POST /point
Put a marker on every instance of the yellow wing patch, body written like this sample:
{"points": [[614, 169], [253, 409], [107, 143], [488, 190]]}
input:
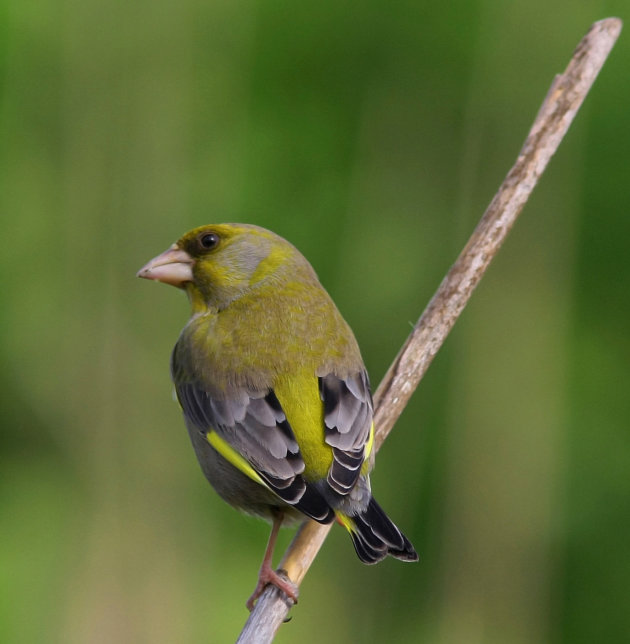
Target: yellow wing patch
{"points": [[233, 457], [369, 445]]}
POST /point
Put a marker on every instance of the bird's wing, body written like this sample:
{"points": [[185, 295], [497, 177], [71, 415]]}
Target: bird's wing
{"points": [[251, 431], [348, 413]]}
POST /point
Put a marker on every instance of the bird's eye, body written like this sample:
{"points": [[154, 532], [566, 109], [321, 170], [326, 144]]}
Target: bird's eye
{"points": [[208, 240]]}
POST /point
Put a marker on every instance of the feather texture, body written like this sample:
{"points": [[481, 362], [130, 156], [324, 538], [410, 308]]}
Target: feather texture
{"points": [[348, 415], [255, 427]]}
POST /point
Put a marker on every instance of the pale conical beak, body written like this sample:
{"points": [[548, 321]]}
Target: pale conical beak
{"points": [[173, 266]]}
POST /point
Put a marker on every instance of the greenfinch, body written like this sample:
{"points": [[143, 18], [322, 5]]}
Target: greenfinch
{"points": [[273, 389]]}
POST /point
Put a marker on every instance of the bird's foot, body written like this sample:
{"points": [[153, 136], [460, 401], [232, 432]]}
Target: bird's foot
{"points": [[278, 579]]}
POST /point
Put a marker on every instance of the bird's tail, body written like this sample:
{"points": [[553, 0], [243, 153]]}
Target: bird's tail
{"points": [[375, 536]]}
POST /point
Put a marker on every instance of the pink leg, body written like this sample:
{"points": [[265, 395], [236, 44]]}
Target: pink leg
{"points": [[267, 575]]}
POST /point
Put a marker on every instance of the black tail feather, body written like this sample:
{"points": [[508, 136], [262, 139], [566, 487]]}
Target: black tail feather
{"points": [[375, 536]]}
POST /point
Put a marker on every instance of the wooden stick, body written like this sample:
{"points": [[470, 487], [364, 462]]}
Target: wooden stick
{"points": [[563, 100]]}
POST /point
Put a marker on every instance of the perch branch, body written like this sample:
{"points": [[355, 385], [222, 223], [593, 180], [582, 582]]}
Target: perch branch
{"points": [[563, 100]]}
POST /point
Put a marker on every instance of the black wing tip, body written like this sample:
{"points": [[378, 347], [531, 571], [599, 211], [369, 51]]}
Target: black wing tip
{"points": [[370, 554], [314, 505], [408, 553], [302, 495], [376, 537]]}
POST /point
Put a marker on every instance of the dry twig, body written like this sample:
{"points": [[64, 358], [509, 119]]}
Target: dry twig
{"points": [[563, 100]]}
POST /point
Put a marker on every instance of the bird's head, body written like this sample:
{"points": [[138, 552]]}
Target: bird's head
{"points": [[218, 263]]}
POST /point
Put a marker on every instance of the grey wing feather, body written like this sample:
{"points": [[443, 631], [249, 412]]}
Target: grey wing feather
{"points": [[348, 413], [254, 424]]}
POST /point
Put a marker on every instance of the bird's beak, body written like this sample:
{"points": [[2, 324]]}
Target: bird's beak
{"points": [[173, 266]]}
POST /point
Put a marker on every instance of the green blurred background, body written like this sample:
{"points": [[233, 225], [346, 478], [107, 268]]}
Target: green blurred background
{"points": [[372, 135]]}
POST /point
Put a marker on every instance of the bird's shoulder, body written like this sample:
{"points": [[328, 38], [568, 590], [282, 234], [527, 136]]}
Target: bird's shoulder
{"points": [[276, 331]]}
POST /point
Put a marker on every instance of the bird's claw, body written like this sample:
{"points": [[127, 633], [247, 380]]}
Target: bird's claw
{"points": [[278, 579]]}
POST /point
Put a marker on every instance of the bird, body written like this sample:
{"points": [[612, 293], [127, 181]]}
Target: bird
{"points": [[274, 391]]}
